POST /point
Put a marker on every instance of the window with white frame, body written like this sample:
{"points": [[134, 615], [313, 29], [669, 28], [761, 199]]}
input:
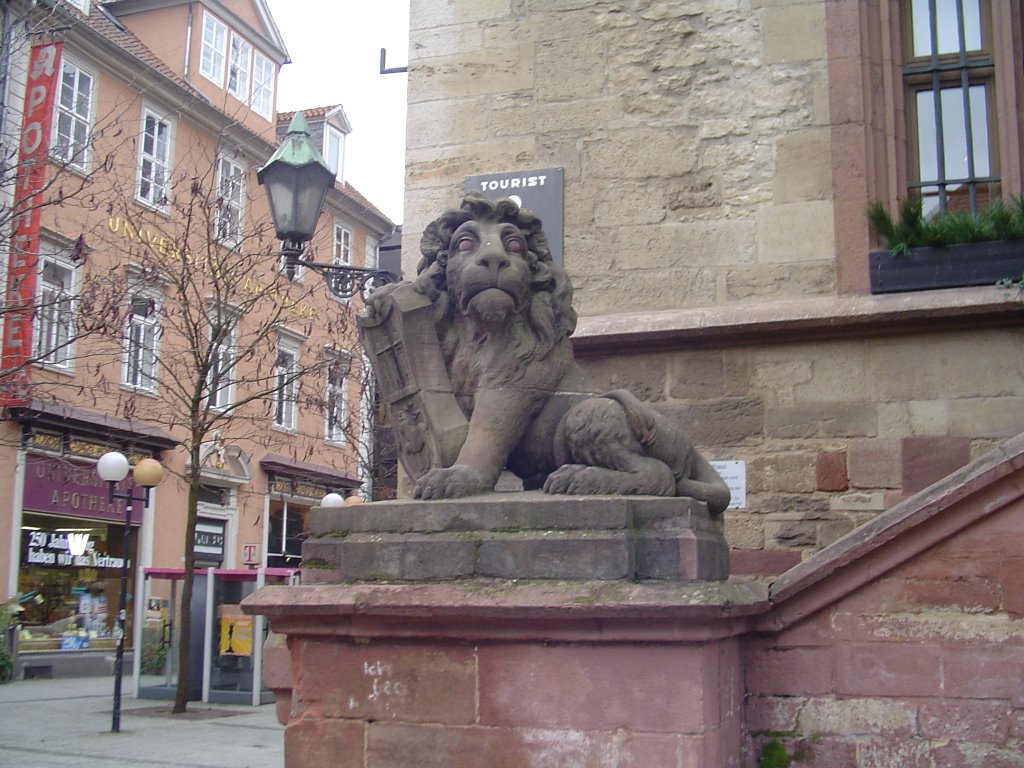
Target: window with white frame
{"points": [[238, 70], [263, 70], [73, 119], [341, 253], [154, 159], [215, 41], [371, 256], [286, 385], [230, 200], [334, 151], [220, 387], [336, 398], [142, 330], [55, 312], [341, 247], [82, 5]]}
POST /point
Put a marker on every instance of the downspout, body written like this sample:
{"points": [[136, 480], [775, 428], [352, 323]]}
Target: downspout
{"points": [[5, 68], [188, 42]]}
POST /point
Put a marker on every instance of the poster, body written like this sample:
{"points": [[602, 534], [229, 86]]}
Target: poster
{"points": [[235, 631]]}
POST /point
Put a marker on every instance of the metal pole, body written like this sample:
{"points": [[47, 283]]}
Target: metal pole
{"points": [[115, 725]]}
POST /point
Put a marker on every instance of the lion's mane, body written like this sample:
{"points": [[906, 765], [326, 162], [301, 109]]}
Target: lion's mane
{"points": [[548, 321]]}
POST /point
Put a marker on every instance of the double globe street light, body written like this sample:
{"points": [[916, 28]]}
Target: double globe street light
{"points": [[112, 467]]}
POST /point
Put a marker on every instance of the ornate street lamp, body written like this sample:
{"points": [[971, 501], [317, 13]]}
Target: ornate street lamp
{"points": [[113, 468], [297, 179]]}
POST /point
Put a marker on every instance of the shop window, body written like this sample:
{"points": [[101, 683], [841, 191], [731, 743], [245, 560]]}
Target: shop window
{"points": [[73, 121], [69, 581], [55, 313], [336, 399], [154, 160], [949, 72], [230, 199], [263, 71], [140, 347], [215, 40], [238, 71], [286, 534]]}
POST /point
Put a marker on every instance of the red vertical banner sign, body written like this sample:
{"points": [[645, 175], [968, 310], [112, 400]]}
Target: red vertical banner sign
{"points": [[43, 81]]}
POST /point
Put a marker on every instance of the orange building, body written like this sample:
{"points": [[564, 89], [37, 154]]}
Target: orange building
{"points": [[161, 321]]}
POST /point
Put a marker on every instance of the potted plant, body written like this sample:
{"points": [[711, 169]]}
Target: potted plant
{"points": [[949, 250]]}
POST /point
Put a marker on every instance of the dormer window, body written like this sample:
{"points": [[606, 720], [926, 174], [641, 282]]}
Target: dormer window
{"points": [[238, 72], [334, 151], [263, 71], [215, 45]]}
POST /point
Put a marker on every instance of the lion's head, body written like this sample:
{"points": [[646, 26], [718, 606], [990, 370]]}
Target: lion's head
{"points": [[489, 261]]}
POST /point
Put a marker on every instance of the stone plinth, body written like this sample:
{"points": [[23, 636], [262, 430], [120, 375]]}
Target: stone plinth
{"points": [[510, 630], [509, 674], [517, 536]]}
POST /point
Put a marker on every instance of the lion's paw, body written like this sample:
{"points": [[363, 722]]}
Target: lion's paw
{"points": [[451, 483], [574, 479]]}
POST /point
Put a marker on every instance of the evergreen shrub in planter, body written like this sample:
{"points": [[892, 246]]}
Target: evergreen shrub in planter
{"points": [[949, 250]]}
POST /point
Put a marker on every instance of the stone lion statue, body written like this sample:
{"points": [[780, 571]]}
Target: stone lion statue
{"points": [[502, 312]]}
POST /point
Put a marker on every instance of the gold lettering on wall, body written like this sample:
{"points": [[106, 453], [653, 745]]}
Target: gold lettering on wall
{"points": [[119, 225]]}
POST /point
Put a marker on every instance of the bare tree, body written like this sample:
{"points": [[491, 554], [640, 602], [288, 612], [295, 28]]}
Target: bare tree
{"points": [[235, 346]]}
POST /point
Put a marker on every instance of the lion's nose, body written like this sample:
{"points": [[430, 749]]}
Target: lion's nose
{"points": [[492, 259]]}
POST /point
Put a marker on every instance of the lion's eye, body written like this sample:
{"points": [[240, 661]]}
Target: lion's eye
{"points": [[514, 246], [466, 244]]}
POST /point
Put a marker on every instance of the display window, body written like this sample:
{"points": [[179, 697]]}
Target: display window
{"points": [[286, 534], [69, 582]]}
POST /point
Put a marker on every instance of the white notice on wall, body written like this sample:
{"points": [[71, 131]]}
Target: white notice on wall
{"points": [[735, 475]]}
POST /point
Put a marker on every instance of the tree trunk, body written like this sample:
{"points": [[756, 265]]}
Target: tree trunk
{"points": [[185, 622]]}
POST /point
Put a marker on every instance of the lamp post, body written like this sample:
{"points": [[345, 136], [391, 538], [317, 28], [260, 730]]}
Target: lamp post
{"points": [[113, 468], [297, 178]]}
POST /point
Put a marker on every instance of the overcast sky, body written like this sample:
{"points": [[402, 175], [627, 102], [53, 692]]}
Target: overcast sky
{"points": [[335, 53]]}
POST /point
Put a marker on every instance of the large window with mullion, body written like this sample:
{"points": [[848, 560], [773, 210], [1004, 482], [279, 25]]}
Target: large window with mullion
{"points": [[949, 72], [73, 122], [155, 160]]}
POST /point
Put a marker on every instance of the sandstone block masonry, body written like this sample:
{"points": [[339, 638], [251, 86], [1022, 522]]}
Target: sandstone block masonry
{"points": [[831, 433], [717, 169], [707, 122]]}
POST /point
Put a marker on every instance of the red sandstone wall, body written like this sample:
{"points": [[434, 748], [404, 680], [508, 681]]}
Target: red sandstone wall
{"points": [[511, 705], [924, 667]]}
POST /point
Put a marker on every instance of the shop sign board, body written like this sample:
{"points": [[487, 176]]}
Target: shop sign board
{"points": [[43, 80], [540, 191], [63, 487], [209, 543]]}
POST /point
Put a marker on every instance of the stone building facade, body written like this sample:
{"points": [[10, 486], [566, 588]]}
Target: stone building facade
{"points": [[718, 159]]}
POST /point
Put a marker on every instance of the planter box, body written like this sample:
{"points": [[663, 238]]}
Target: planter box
{"points": [[951, 266]]}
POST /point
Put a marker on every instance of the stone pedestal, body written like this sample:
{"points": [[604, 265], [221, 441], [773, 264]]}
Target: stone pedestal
{"points": [[511, 631], [517, 536]]}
